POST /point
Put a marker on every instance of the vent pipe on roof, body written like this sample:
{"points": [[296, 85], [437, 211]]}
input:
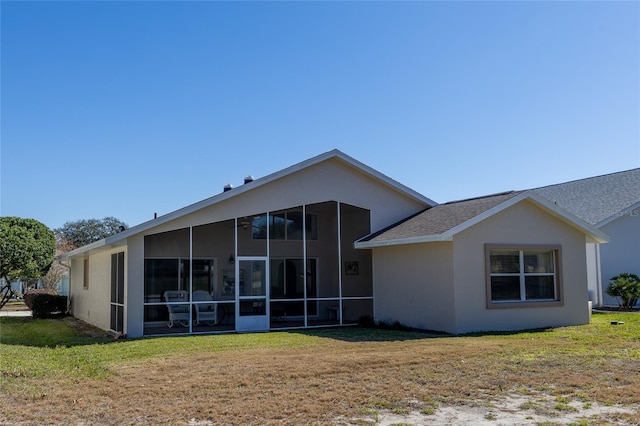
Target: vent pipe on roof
{"points": [[248, 179], [227, 187]]}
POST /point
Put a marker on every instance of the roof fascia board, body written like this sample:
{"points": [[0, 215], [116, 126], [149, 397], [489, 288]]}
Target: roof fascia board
{"points": [[81, 250], [448, 235], [593, 234], [484, 215], [622, 213], [401, 241], [114, 239]]}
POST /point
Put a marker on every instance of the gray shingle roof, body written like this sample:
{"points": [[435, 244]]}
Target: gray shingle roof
{"points": [[597, 198], [441, 218]]}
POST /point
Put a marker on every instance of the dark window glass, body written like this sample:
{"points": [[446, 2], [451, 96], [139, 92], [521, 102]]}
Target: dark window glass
{"points": [[277, 226], [117, 318], [114, 281], [285, 226], [253, 307], [505, 261], [120, 298], [259, 225], [505, 288], [117, 278], [539, 287], [539, 261]]}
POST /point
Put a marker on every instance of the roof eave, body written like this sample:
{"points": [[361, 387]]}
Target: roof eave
{"points": [[401, 241], [592, 234], [117, 239], [82, 250], [629, 211]]}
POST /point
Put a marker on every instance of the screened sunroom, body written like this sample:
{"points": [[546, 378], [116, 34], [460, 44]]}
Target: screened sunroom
{"points": [[286, 269]]}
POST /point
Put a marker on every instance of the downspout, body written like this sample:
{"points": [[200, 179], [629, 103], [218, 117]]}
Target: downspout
{"points": [[599, 278]]}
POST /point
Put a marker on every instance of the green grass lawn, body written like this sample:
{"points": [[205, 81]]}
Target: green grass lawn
{"points": [[331, 372], [51, 347]]}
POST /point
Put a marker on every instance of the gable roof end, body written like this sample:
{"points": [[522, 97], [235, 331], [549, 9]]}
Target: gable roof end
{"points": [[442, 222], [120, 238], [431, 224]]}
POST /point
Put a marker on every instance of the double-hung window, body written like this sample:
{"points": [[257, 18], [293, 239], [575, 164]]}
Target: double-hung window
{"points": [[522, 275]]}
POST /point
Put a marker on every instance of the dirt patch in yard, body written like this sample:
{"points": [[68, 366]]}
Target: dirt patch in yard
{"points": [[512, 409]]}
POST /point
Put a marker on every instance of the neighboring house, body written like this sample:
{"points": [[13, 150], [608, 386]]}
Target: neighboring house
{"points": [[62, 287], [302, 248], [611, 203]]}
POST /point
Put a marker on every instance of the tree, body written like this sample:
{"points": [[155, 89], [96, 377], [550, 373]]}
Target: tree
{"points": [[58, 270], [27, 248], [86, 231], [626, 288]]}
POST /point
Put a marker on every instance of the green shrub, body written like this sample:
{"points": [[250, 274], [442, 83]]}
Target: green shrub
{"points": [[366, 321], [47, 305], [30, 295], [626, 288]]}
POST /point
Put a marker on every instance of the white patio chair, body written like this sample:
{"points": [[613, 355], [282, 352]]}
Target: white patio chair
{"points": [[178, 313], [205, 312]]}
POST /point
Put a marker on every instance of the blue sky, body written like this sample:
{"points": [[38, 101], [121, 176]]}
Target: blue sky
{"points": [[128, 109]]}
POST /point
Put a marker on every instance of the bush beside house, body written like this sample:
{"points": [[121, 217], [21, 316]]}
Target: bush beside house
{"points": [[626, 288], [44, 303]]}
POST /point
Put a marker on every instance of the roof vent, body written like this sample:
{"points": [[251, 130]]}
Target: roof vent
{"points": [[227, 187], [248, 179]]}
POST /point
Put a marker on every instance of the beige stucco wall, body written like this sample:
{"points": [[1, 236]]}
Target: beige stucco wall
{"points": [[413, 284], [92, 305], [523, 223]]}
